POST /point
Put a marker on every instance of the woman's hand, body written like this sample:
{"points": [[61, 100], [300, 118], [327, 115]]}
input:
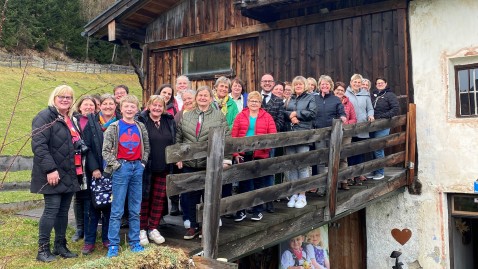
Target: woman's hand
{"points": [[371, 118], [294, 120], [344, 119], [239, 159], [179, 165], [97, 173], [293, 115], [53, 178]]}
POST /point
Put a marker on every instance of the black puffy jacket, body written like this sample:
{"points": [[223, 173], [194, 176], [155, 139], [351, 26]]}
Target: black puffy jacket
{"points": [[385, 104], [53, 149], [329, 107]]}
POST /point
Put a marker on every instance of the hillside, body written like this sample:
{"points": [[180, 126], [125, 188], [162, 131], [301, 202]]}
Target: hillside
{"points": [[33, 97]]}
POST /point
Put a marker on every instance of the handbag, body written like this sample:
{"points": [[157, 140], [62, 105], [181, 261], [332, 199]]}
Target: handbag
{"points": [[101, 192]]}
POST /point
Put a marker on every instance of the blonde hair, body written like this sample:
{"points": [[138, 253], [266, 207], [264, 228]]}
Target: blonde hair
{"points": [[327, 79], [154, 98], [61, 90], [356, 76], [129, 99], [314, 82], [254, 95], [301, 79], [222, 80]]}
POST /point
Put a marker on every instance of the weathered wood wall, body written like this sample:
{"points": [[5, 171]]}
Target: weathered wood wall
{"points": [[193, 17]]}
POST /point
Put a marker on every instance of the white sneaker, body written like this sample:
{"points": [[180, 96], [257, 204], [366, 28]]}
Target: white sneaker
{"points": [[292, 200], [156, 236], [301, 202], [370, 175], [220, 222], [143, 238], [187, 224]]}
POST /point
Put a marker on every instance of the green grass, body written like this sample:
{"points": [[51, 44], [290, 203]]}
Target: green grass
{"points": [[18, 196], [18, 248], [37, 86], [19, 176]]}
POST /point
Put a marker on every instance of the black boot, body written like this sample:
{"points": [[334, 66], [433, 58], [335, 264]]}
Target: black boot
{"points": [[62, 250], [270, 207], [79, 234], [174, 209], [44, 254]]}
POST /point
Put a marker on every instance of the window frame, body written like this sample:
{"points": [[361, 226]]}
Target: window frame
{"points": [[457, 68], [212, 74]]}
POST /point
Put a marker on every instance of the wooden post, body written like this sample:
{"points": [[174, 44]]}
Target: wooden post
{"points": [[411, 141], [333, 172], [212, 191]]}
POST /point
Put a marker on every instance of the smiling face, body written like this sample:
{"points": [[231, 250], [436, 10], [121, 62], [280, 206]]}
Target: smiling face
{"points": [[299, 87], [236, 90], [267, 82], [181, 84], [287, 91], [356, 84], [87, 106], [156, 108], [254, 104], [324, 86], [278, 91], [166, 93], [108, 107], [366, 84], [314, 237], [188, 101], [119, 93], [63, 102], [380, 84], [128, 110], [222, 89], [339, 92], [203, 99], [296, 242]]}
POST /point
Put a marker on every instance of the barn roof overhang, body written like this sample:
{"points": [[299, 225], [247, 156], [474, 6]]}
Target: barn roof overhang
{"points": [[130, 19]]}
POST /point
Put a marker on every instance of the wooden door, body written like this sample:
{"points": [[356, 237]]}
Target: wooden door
{"points": [[347, 242]]}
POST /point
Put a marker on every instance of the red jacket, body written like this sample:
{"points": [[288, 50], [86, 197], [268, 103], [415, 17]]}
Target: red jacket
{"points": [[264, 125], [349, 110]]}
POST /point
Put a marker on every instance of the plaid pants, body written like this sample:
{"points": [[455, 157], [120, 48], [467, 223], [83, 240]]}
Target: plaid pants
{"points": [[152, 209]]}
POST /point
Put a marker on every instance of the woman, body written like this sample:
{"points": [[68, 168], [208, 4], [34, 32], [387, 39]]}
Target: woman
{"points": [[93, 135], [351, 118], [312, 85], [161, 129], [366, 84], [166, 91], [86, 105], [239, 94], [222, 101], [188, 104], [385, 104], [194, 127], [288, 91], [362, 104], [300, 114], [54, 173], [329, 107], [253, 120], [278, 89]]}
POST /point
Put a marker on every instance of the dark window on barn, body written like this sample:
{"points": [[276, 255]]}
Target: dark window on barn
{"points": [[207, 61], [466, 93]]}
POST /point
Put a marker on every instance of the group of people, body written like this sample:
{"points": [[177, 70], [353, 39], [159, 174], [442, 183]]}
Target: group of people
{"points": [[76, 144]]}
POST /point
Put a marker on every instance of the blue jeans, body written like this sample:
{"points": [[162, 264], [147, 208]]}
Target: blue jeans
{"points": [[127, 180], [379, 154], [92, 217], [297, 173]]}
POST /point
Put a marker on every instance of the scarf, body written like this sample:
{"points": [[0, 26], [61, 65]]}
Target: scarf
{"points": [[222, 103], [104, 124]]}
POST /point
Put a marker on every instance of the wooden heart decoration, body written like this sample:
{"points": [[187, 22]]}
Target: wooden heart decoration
{"points": [[401, 236]]}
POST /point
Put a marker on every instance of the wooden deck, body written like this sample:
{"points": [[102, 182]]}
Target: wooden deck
{"points": [[240, 239]]}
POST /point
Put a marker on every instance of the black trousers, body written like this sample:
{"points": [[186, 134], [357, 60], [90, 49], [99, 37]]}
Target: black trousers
{"points": [[55, 215]]}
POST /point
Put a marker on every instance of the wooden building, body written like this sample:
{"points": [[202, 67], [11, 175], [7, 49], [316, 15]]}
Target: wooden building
{"points": [[204, 39]]}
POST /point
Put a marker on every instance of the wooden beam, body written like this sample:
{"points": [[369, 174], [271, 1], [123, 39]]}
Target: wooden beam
{"points": [[207, 263], [212, 191], [191, 151], [179, 183], [332, 175], [241, 32], [112, 31], [412, 140]]}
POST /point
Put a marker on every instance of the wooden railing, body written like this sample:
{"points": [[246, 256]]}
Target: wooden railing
{"points": [[217, 146]]}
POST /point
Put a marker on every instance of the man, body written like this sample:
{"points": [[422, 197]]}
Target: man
{"points": [[274, 106], [182, 83]]}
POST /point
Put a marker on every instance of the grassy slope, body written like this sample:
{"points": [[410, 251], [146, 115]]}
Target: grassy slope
{"points": [[37, 86]]}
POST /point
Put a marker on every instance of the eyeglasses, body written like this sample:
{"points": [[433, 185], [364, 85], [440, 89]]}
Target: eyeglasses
{"points": [[68, 98], [267, 81], [254, 101]]}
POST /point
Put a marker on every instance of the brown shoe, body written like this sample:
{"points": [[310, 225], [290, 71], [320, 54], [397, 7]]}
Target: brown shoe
{"points": [[344, 186]]}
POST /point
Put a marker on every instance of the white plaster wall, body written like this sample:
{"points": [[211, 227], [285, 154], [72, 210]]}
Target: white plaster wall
{"points": [[442, 32]]}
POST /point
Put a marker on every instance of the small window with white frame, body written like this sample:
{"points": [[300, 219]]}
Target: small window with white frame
{"points": [[466, 82]]}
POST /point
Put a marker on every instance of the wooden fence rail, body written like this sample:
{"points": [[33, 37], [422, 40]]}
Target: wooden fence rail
{"points": [[219, 146]]}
